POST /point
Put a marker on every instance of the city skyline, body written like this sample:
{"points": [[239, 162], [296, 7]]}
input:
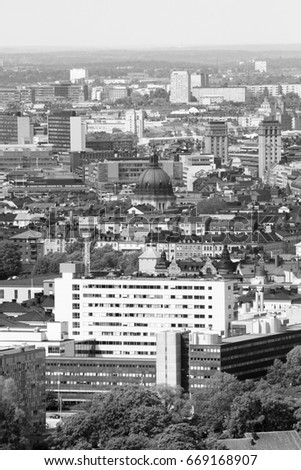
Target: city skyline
{"points": [[108, 25]]}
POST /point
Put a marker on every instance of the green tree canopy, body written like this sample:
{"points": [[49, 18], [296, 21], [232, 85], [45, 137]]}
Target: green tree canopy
{"points": [[14, 427], [10, 260], [131, 417]]}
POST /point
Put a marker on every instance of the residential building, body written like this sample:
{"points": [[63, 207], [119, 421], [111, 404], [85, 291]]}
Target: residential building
{"points": [[134, 122], [269, 147], [180, 87], [273, 90], [30, 245]]}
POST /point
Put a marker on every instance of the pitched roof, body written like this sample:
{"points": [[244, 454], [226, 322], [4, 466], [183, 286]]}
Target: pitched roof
{"points": [[276, 440], [34, 316], [12, 307], [9, 322], [28, 235]]}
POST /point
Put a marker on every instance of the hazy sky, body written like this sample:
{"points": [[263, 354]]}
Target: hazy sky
{"points": [[149, 23]]}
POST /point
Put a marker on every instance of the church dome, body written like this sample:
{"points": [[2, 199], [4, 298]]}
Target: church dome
{"points": [[225, 265], [154, 180]]}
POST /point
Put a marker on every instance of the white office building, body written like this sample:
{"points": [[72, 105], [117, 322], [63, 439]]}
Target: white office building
{"points": [[123, 315]]}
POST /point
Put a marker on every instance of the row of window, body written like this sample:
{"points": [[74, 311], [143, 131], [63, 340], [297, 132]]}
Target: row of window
{"points": [[140, 286]]}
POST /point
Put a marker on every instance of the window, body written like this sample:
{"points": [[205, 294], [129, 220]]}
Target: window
{"points": [[75, 286], [16, 294], [75, 306], [76, 324], [75, 315], [75, 296], [1, 293]]}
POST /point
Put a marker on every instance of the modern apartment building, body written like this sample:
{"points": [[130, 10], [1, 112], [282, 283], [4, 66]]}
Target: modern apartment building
{"points": [[124, 314], [180, 87], [134, 122]]}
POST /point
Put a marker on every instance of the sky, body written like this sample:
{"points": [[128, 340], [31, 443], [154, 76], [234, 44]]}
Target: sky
{"points": [[148, 23]]}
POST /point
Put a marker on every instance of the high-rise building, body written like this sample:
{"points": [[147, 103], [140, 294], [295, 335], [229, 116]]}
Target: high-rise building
{"points": [[180, 87], [77, 134], [216, 141], [66, 131], [269, 146], [134, 122], [15, 129], [77, 75]]}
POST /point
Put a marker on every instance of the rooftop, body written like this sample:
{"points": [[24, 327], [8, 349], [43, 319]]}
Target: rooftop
{"points": [[276, 440]]}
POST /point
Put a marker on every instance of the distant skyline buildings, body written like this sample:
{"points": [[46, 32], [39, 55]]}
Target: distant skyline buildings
{"points": [[180, 86]]}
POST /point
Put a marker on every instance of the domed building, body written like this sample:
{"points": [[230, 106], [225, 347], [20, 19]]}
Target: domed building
{"points": [[225, 266], [154, 186]]}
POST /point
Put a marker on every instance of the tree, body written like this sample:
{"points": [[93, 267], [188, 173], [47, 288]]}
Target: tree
{"points": [[105, 258], [293, 367], [213, 405], [14, 427], [10, 260], [181, 436], [255, 412], [131, 417], [276, 374], [49, 263]]}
